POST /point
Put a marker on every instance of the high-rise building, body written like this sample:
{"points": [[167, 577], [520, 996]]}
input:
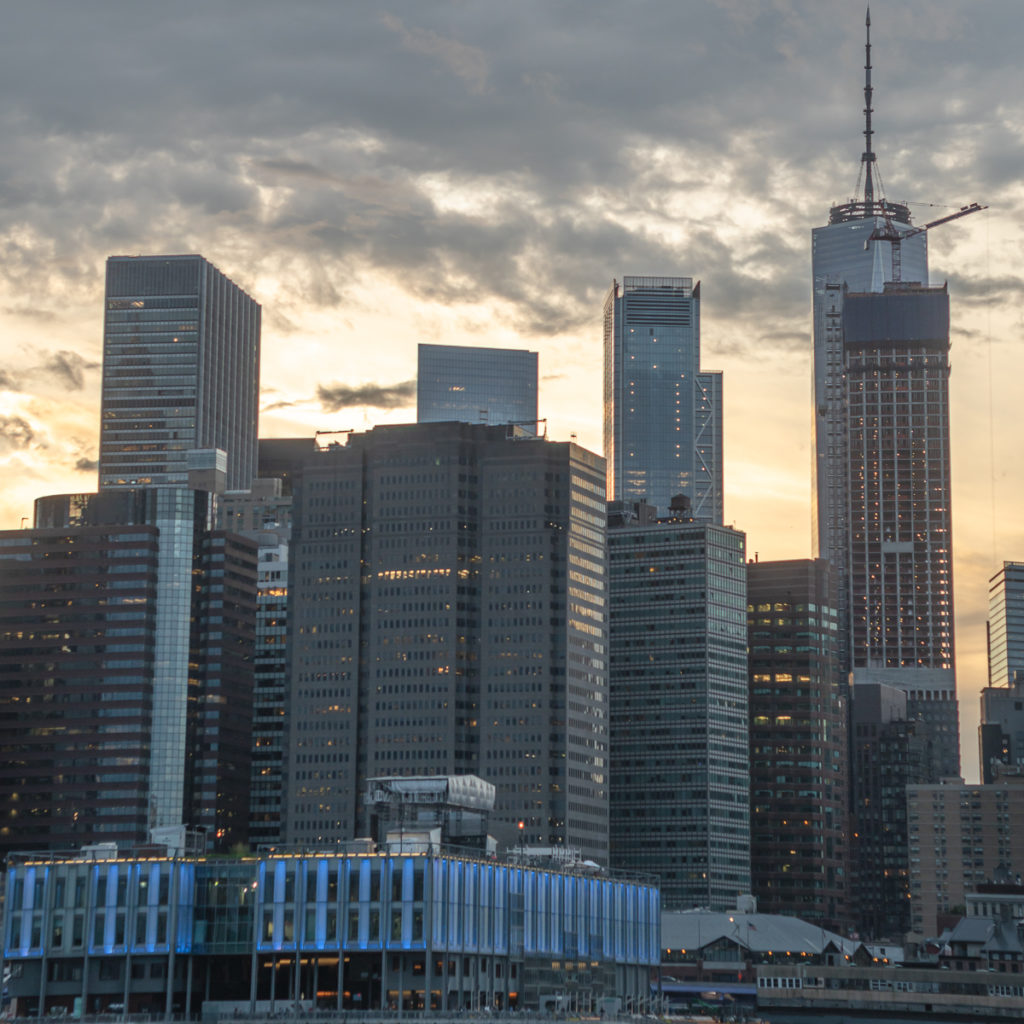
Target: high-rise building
{"points": [[679, 770], [181, 348], [899, 561], [1005, 630], [798, 743], [887, 754], [882, 501], [662, 413], [476, 385], [264, 515], [1001, 730], [447, 617], [126, 630], [843, 253]]}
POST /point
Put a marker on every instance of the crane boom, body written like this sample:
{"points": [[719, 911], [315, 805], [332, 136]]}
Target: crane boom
{"points": [[888, 233]]}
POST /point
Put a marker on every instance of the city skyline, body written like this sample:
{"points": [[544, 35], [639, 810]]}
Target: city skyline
{"points": [[416, 176]]}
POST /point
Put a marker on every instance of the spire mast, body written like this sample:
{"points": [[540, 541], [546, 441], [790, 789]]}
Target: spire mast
{"points": [[868, 156]]}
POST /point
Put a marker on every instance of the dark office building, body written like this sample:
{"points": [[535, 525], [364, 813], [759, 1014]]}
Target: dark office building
{"points": [[679, 770], [798, 743], [126, 632], [181, 357], [888, 753], [447, 617]]}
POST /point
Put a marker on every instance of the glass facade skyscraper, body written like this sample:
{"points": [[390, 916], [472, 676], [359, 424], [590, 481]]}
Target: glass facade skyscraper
{"points": [[662, 413], [181, 346], [477, 385], [1006, 625]]}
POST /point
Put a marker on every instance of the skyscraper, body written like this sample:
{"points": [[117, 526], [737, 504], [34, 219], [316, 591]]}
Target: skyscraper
{"points": [[843, 253], [1005, 628], [798, 743], [900, 566], [680, 767], [662, 413], [1001, 732], [881, 394], [126, 631], [181, 346], [476, 385], [447, 615]]}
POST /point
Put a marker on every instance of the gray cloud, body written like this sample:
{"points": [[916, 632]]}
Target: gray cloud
{"points": [[15, 433], [84, 464], [67, 369], [565, 164], [336, 397]]}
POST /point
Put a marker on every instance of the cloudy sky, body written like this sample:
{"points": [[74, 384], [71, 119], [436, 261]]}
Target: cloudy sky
{"points": [[383, 174]]}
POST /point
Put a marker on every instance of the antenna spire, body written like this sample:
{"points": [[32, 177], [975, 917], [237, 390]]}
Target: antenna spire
{"points": [[868, 156]]}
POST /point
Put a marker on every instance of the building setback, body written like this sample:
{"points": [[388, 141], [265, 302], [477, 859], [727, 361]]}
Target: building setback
{"points": [[798, 743], [181, 353], [662, 413], [447, 616], [680, 771], [476, 385]]}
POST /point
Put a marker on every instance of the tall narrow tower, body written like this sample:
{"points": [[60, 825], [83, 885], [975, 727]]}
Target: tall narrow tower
{"points": [[842, 254], [662, 413]]}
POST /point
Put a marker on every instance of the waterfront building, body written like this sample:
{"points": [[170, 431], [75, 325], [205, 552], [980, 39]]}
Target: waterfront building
{"points": [[477, 385], [662, 412], [181, 348], [447, 616], [799, 756], [679, 769], [373, 929]]}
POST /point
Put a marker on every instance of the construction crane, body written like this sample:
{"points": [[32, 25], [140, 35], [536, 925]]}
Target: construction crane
{"points": [[889, 233]]}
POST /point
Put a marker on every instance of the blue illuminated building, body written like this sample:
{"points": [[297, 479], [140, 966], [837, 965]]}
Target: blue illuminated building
{"points": [[662, 413], [369, 930]]}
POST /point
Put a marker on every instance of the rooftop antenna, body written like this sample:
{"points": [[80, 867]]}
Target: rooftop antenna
{"points": [[868, 156]]}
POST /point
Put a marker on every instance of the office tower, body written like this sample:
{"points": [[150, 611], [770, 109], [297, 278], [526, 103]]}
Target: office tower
{"points": [[798, 743], [1005, 628], [662, 413], [679, 770], [181, 346], [887, 755], [126, 671], [477, 385], [961, 837], [899, 563], [447, 617]]}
